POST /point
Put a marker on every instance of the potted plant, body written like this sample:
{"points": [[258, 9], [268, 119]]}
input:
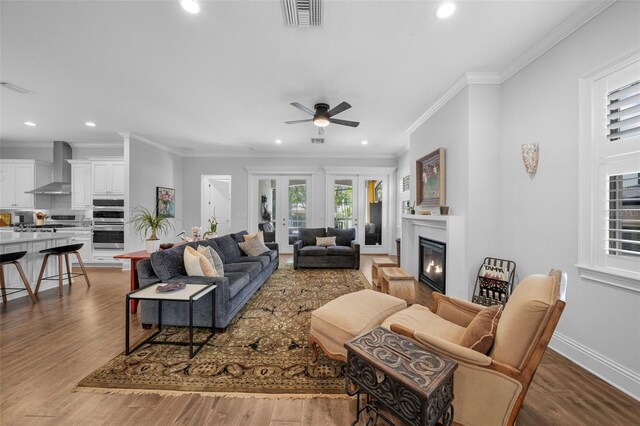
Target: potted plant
{"points": [[144, 220], [213, 226]]}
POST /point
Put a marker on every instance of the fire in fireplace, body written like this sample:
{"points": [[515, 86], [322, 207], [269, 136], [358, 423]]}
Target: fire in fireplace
{"points": [[433, 256]]}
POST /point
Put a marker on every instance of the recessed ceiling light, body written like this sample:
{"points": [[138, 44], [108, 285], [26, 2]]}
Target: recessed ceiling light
{"points": [[445, 10], [190, 6], [278, 141], [365, 142], [30, 123], [90, 124]]}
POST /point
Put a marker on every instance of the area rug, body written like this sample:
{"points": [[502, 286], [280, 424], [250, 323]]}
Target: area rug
{"points": [[264, 350]]}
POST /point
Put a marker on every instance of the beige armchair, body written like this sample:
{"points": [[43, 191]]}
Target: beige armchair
{"points": [[490, 389]]}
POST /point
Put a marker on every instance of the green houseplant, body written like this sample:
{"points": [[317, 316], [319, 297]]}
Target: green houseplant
{"points": [[144, 220]]}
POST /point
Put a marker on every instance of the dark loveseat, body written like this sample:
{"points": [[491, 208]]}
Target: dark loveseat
{"points": [[345, 254], [243, 276]]}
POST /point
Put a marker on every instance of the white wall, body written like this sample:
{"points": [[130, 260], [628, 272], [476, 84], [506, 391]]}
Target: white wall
{"points": [[535, 221], [46, 154], [150, 167], [195, 167], [600, 327]]}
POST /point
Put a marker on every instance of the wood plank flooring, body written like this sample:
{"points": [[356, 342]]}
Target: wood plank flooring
{"points": [[46, 349]]}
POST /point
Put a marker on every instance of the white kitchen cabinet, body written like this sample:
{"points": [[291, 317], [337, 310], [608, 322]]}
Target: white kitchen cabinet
{"points": [[80, 184], [108, 178], [83, 237], [19, 176]]}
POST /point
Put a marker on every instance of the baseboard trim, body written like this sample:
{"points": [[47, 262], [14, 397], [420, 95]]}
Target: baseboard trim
{"points": [[615, 374]]}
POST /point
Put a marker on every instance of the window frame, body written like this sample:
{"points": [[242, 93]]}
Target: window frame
{"points": [[600, 158], [403, 195]]}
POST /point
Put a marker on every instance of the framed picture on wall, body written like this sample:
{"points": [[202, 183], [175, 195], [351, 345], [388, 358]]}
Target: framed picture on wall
{"points": [[165, 201], [430, 174]]}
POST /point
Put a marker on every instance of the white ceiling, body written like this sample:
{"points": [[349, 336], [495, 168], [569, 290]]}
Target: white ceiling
{"points": [[222, 81]]}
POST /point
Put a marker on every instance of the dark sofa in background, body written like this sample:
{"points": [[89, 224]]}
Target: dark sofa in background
{"points": [[345, 254], [243, 276]]}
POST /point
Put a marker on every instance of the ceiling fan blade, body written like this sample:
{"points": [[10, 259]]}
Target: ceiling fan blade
{"points": [[344, 122], [303, 108], [299, 121], [338, 109]]}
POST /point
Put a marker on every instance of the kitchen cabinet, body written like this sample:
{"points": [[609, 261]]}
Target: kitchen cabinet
{"points": [[108, 178], [19, 176], [83, 237], [80, 184]]}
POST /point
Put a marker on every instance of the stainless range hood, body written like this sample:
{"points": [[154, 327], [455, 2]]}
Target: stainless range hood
{"points": [[61, 184]]}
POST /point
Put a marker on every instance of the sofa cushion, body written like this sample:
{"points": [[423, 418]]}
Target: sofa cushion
{"points": [[229, 248], [273, 254], [168, 263], [251, 268], [259, 235], [267, 227], [313, 251], [420, 318], [480, 332], [264, 259], [339, 251], [308, 235], [239, 236], [343, 236], [212, 243], [237, 281]]}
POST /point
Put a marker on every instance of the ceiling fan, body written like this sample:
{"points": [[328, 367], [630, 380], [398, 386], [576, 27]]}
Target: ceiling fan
{"points": [[323, 116]]}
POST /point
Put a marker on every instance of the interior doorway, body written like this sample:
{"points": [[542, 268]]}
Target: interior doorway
{"points": [[216, 202]]}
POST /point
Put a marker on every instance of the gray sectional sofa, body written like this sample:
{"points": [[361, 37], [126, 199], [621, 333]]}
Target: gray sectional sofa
{"points": [[243, 276], [345, 254]]}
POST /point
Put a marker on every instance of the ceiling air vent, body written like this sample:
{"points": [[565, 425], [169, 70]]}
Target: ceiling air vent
{"points": [[317, 140], [302, 13]]}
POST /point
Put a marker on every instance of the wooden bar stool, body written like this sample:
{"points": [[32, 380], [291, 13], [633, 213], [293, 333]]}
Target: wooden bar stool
{"points": [[12, 258], [60, 252], [376, 264], [397, 282]]}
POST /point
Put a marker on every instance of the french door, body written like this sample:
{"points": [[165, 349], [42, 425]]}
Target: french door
{"points": [[280, 204], [360, 202]]}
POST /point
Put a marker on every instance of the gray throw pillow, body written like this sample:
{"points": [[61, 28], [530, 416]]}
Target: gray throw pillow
{"points": [[213, 257], [254, 247]]}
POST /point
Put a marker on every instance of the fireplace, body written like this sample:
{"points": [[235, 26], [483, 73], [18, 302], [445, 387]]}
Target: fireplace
{"points": [[433, 256]]}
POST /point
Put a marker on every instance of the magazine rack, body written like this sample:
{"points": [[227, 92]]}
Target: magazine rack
{"points": [[490, 291]]}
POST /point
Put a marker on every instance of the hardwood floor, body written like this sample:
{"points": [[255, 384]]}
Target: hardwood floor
{"points": [[47, 348]]}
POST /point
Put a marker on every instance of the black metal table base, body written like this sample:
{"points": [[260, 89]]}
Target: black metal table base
{"points": [[150, 340]]}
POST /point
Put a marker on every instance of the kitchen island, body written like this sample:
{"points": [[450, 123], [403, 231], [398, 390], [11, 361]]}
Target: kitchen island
{"points": [[32, 243]]}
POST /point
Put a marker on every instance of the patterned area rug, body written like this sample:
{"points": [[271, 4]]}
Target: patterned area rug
{"points": [[264, 350]]}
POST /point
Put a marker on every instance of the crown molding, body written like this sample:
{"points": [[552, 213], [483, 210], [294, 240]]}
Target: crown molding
{"points": [[257, 154], [85, 145], [567, 27], [405, 148], [26, 144], [162, 147]]}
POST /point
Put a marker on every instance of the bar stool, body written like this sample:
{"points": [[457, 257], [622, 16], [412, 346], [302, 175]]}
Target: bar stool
{"points": [[12, 258], [60, 252]]}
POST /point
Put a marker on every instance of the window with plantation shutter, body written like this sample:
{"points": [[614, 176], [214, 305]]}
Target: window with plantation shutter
{"points": [[624, 112], [404, 183], [609, 216], [404, 193]]}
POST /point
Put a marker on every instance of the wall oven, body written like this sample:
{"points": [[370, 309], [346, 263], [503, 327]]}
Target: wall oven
{"points": [[108, 224]]}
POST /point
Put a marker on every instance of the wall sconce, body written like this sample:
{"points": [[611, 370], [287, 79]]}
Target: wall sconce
{"points": [[530, 156]]}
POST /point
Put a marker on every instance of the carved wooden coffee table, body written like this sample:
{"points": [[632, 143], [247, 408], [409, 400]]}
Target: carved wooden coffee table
{"points": [[396, 373]]}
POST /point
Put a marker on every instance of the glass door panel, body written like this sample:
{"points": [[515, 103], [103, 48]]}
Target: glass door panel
{"points": [[267, 208], [344, 204], [297, 207], [372, 211]]}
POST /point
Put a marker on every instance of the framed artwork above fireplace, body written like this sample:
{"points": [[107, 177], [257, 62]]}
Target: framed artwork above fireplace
{"points": [[430, 176]]}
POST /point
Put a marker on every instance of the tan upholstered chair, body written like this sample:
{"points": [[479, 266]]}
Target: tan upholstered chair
{"points": [[489, 389]]}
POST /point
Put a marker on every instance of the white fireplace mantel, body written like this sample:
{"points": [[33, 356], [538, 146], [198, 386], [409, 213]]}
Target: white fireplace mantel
{"points": [[447, 229]]}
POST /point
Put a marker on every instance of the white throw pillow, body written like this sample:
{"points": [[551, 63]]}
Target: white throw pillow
{"points": [[258, 234], [326, 241], [214, 258], [254, 247], [197, 265]]}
